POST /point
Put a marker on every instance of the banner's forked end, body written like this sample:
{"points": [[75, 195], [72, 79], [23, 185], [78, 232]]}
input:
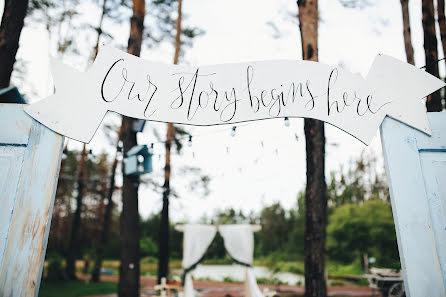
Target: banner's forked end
{"points": [[405, 86]]}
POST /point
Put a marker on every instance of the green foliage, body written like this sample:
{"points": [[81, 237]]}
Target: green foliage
{"points": [[148, 247], [228, 279], [150, 231], [354, 230], [338, 269], [275, 227], [361, 182], [55, 271]]}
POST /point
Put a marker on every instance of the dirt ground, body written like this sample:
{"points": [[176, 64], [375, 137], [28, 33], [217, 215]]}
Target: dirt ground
{"points": [[218, 289]]}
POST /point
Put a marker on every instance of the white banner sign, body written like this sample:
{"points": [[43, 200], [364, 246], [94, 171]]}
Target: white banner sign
{"points": [[233, 93]]}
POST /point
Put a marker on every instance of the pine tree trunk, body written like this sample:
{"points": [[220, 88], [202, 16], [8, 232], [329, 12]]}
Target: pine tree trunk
{"points": [[433, 102], [99, 29], [406, 32], [100, 249], [442, 24], [129, 270], [96, 274], [315, 193], [163, 258], [10, 28], [73, 248]]}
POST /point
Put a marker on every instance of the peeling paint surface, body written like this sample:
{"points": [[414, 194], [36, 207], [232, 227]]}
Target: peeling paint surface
{"points": [[416, 172], [29, 165]]}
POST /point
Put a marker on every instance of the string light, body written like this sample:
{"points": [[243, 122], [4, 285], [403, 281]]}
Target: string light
{"points": [[287, 122], [189, 143], [233, 131]]}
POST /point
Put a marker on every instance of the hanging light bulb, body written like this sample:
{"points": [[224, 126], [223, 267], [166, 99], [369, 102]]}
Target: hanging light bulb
{"points": [[189, 143], [91, 156], [287, 122], [233, 131]]}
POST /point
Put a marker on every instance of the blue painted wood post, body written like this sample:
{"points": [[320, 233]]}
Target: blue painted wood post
{"points": [[416, 171], [30, 157]]}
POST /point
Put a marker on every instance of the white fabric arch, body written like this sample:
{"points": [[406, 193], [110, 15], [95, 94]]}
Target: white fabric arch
{"points": [[196, 240], [239, 243]]}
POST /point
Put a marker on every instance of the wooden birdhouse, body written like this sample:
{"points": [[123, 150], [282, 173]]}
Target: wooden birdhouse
{"points": [[138, 160]]}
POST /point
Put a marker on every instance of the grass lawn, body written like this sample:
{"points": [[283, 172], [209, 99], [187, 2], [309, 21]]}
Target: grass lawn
{"points": [[75, 289]]}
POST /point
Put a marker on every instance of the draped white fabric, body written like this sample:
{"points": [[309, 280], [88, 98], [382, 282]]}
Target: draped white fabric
{"points": [[239, 242], [188, 286], [196, 240], [251, 287]]}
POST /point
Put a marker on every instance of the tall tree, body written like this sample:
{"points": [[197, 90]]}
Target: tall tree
{"points": [[433, 102], [406, 31], [107, 216], [442, 24], [10, 28], [315, 193], [130, 230], [163, 259], [73, 248], [105, 230]]}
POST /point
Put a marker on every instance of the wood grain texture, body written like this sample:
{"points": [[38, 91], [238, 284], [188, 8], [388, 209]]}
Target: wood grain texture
{"points": [[33, 201], [412, 176]]}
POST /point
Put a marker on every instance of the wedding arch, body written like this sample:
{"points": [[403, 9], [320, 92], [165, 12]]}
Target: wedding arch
{"points": [[389, 98], [239, 244]]}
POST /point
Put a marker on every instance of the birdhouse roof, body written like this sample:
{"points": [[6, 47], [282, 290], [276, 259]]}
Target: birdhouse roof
{"points": [[139, 150], [11, 95]]}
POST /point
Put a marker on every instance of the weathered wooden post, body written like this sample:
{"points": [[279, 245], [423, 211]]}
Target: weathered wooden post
{"points": [[416, 171], [30, 157]]}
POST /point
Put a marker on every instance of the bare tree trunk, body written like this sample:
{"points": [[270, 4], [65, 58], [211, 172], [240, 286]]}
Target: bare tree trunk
{"points": [[99, 29], [129, 270], [406, 32], [74, 246], [315, 193], [433, 102], [95, 276], [178, 33], [163, 258], [10, 28], [442, 24]]}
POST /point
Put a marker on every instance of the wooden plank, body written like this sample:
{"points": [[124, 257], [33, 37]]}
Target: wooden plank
{"points": [[28, 233], [11, 159], [15, 124], [433, 164], [414, 228]]}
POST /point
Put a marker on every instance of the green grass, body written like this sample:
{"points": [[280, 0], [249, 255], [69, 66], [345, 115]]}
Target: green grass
{"points": [[334, 269], [75, 289]]}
